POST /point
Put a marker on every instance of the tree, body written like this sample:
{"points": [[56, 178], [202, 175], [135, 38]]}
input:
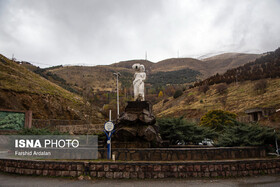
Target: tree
{"points": [[241, 134], [179, 130], [217, 119], [160, 94]]}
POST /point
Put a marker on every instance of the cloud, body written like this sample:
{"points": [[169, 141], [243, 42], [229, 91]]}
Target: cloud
{"points": [[52, 32]]}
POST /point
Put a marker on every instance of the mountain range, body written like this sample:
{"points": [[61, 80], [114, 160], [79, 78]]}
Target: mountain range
{"points": [[61, 91]]}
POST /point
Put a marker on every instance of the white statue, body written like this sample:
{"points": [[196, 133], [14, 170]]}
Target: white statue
{"points": [[138, 83]]}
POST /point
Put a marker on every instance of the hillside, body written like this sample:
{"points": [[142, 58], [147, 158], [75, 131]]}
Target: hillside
{"points": [[174, 64], [128, 64], [238, 97], [267, 66], [21, 89], [97, 84], [255, 84], [101, 78], [221, 63]]}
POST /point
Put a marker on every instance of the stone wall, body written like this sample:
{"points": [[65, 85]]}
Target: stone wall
{"points": [[143, 170], [171, 154]]}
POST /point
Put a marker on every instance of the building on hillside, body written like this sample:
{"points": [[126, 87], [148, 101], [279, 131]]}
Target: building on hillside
{"points": [[256, 114]]}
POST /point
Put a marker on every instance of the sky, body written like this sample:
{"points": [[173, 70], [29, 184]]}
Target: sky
{"points": [[100, 32]]}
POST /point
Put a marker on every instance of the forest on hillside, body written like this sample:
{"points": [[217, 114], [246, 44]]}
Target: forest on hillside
{"points": [[173, 77], [267, 66]]}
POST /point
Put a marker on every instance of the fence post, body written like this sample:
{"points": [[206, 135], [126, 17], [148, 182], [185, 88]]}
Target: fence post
{"points": [[28, 119]]}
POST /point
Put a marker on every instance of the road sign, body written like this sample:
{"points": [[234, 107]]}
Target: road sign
{"points": [[109, 126]]}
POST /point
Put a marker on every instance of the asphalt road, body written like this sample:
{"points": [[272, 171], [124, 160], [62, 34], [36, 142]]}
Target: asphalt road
{"points": [[18, 180]]}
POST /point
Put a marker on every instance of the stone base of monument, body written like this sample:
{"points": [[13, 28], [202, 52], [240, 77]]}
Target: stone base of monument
{"points": [[137, 126]]}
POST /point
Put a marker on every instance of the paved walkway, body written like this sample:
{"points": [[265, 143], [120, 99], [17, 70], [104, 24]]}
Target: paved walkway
{"points": [[18, 180]]}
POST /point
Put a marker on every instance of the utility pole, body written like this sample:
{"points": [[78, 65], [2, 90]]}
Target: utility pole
{"points": [[146, 55], [118, 106]]}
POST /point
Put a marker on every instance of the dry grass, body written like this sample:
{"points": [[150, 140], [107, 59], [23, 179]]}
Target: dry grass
{"points": [[21, 89], [239, 97], [17, 78], [100, 78]]}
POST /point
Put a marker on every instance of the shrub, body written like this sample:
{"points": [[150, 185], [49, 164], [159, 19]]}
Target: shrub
{"points": [[190, 99], [203, 88], [217, 119], [241, 134], [221, 88], [11, 121], [179, 130], [260, 86], [223, 100], [177, 94]]}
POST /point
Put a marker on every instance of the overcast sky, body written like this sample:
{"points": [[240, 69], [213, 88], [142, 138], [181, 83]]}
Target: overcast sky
{"points": [[93, 32]]}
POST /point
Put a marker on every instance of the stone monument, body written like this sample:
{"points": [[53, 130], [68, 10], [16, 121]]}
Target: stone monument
{"points": [[137, 124]]}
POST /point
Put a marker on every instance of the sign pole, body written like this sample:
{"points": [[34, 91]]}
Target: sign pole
{"points": [[110, 113], [109, 130], [110, 146]]}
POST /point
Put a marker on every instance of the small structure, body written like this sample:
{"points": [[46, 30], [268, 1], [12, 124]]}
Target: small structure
{"points": [[257, 114]]}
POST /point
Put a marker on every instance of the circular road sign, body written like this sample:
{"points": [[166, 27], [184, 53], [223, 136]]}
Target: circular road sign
{"points": [[109, 126]]}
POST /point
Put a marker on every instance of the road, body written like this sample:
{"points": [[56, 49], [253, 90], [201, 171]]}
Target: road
{"points": [[18, 180]]}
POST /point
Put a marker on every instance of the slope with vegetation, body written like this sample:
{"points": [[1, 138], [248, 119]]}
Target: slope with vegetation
{"points": [[233, 97], [267, 66], [21, 89], [98, 84], [255, 84], [165, 76], [221, 63]]}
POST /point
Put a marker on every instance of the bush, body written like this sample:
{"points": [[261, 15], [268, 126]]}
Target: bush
{"points": [[221, 88], [203, 88], [11, 121], [177, 94], [217, 119], [190, 99], [260, 86], [179, 130], [241, 134]]}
